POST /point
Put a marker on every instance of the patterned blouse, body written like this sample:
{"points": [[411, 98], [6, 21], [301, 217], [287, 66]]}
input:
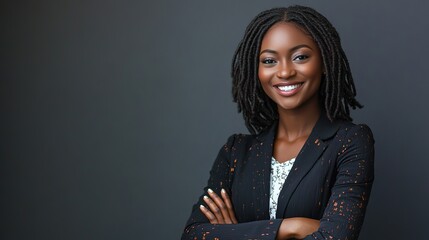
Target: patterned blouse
{"points": [[279, 172]]}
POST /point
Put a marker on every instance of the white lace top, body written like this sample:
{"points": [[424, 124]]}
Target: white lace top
{"points": [[279, 172]]}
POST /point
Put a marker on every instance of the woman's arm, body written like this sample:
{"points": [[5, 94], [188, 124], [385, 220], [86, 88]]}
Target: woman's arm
{"points": [[343, 216], [219, 211], [198, 225], [213, 215]]}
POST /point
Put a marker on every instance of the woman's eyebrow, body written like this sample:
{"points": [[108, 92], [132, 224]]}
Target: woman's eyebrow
{"points": [[300, 46], [267, 51], [292, 49]]}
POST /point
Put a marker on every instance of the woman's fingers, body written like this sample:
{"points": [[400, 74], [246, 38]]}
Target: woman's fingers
{"points": [[214, 209], [228, 204], [219, 210], [209, 215], [221, 206]]}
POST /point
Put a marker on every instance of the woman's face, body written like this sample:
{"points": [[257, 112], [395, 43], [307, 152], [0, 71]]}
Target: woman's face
{"points": [[290, 67]]}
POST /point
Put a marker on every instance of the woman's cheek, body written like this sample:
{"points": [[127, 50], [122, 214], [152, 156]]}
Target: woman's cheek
{"points": [[264, 74]]}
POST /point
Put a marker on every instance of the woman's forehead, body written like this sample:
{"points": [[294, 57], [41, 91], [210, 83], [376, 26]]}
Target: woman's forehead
{"points": [[286, 34]]}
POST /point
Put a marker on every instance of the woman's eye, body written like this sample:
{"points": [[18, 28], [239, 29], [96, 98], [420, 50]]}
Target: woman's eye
{"points": [[268, 61], [300, 58]]}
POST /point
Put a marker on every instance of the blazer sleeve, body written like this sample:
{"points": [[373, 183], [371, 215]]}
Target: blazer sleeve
{"points": [[221, 175], [344, 214]]}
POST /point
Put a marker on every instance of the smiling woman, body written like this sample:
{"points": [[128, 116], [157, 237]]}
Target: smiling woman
{"points": [[306, 170], [290, 72]]}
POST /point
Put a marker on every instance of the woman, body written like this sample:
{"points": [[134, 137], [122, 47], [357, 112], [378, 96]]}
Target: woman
{"points": [[306, 170]]}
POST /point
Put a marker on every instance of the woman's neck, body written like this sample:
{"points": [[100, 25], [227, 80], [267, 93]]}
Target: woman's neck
{"points": [[297, 123]]}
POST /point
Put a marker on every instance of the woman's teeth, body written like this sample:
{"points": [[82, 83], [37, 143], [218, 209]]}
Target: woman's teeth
{"points": [[289, 87]]}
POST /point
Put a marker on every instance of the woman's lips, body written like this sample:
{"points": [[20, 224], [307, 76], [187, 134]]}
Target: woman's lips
{"points": [[288, 90]]}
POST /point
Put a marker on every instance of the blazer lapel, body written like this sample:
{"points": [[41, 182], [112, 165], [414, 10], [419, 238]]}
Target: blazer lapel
{"points": [[307, 157], [262, 153]]}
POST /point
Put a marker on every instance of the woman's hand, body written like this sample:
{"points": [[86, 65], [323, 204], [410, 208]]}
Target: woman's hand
{"points": [[297, 227], [220, 210]]}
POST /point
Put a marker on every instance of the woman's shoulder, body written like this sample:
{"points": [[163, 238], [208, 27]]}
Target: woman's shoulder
{"points": [[243, 141], [237, 139], [350, 130], [246, 141], [354, 128]]}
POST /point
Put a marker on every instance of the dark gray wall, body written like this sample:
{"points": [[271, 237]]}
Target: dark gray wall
{"points": [[110, 111]]}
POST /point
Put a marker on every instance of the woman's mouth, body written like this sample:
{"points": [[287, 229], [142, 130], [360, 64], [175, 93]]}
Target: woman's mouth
{"points": [[288, 90]]}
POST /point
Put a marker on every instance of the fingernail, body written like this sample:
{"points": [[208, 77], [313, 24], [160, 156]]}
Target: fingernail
{"points": [[202, 206], [205, 197], [223, 190], [210, 190]]}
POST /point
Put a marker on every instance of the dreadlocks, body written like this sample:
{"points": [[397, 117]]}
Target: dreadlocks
{"points": [[337, 90]]}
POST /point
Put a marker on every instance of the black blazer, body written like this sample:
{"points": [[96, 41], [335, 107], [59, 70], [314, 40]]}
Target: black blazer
{"points": [[330, 180]]}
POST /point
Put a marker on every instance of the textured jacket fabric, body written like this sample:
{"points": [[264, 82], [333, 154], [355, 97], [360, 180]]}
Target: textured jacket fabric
{"points": [[330, 180]]}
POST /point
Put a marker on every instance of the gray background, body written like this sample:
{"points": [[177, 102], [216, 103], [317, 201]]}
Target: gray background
{"points": [[112, 112]]}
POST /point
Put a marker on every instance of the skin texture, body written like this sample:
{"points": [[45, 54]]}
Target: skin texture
{"points": [[288, 57]]}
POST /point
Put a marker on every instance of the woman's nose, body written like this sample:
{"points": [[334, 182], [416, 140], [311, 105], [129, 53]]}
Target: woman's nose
{"points": [[285, 71]]}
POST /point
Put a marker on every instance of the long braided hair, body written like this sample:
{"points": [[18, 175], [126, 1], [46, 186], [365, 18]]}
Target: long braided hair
{"points": [[337, 90]]}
